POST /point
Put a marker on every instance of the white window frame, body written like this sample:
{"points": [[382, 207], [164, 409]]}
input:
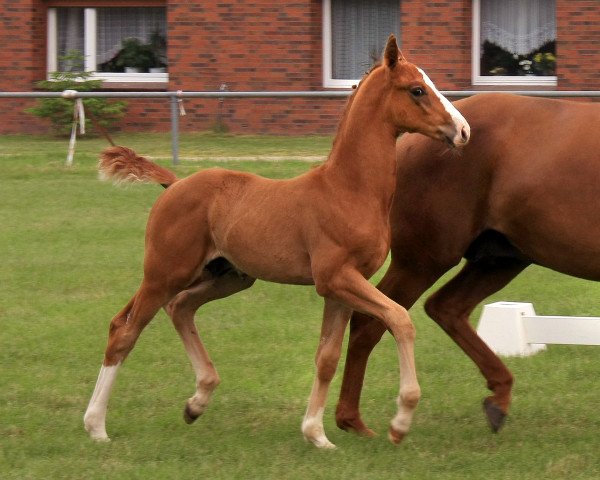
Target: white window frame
{"points": [[328, 81], [90, 35], [506, 80]]}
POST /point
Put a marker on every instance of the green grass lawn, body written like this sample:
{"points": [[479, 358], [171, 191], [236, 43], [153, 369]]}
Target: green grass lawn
{"points": [[71, 250]]}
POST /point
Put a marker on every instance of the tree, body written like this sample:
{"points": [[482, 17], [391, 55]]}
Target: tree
{"points": [[60, 110]]}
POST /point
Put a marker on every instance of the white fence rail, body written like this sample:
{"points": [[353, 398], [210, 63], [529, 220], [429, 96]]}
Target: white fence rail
{"points": [[513, 328], [176, 97]]}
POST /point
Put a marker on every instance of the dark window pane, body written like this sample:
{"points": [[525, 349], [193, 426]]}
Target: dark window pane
{"points": [[518, 37], [70, 39], [117, 27], [359, 30]]}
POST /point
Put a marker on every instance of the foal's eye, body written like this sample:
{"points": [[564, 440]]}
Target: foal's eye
{"points": [[417, 92]]}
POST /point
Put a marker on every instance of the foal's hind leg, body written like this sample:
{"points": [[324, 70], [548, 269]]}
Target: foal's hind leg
{"points": [[125, 329], [451, 306], [181, 310]]}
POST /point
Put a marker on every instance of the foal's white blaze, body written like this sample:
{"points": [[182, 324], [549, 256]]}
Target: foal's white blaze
{"points": [[463, 130], [95, 415]]}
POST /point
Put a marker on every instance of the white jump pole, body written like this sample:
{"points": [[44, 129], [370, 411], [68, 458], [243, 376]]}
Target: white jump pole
{"points": [[514, 329]]}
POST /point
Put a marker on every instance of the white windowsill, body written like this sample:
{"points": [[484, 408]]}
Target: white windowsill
{"points": [[131, 77], [338, 83], [515, 81], [128, 77]]}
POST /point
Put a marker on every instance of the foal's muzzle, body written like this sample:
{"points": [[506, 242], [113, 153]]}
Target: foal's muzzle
{"points": [[457, 135]]}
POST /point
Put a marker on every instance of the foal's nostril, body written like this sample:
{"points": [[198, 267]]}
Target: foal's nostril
{"points": [[464, 135]]}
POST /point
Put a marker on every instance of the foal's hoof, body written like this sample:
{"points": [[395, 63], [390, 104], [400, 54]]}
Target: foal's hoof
{"points": [[189, 416], [95, 427], [395, 436], [99, 436], [321, 442], [495, 415]]}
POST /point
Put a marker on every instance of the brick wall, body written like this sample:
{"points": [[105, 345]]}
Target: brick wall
{"points": [[578, 46], [437, 37], [262, 45], [22, 62], [250, 46]]}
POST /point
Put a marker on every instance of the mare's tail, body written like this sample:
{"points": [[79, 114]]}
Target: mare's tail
{"points": [[123, 165]]}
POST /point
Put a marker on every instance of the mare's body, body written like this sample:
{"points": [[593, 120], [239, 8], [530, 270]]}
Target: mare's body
{"points": [[524, 190]]}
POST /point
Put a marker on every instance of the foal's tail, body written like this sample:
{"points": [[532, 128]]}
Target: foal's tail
{"points": [[123, 165]]}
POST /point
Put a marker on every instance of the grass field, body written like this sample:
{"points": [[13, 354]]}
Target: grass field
{"points": [[71, 250]]}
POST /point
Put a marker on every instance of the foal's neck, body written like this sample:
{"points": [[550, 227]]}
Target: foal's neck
{"points": [[363, 158]]}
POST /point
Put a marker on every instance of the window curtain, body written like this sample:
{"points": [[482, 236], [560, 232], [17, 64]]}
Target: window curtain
{"points": [[115, 24], [518, 26], [70, 37], [359, 30]]}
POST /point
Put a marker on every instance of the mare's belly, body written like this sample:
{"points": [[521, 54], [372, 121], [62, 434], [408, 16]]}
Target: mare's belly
{"points": [[572, 248]]}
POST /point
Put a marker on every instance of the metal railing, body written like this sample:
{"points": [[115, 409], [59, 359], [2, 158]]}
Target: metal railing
{"points": [[177, 96]]}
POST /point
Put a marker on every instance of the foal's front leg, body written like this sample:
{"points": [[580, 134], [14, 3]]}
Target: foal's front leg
{"points": [[335, 319], [349, 287]]}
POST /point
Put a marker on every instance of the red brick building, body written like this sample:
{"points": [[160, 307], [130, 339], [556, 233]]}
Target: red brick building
{"points": [[299, 45]]}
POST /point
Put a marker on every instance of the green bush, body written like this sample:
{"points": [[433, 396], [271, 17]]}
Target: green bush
{"points": [[59, 111]]}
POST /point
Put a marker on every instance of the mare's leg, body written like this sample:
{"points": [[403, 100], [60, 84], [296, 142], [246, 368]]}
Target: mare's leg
{"points": [[335, 319], [365, 333], [402, 285], [451, 306], [181, 310], [125, 329], [349, 287]]}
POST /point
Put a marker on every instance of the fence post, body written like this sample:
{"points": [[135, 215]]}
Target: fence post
{"points": [[175, 129], [501, 328]]}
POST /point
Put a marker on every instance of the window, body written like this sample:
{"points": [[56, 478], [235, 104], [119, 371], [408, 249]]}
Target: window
{"points": [[119, 44], [354, 35], [514, 42]]}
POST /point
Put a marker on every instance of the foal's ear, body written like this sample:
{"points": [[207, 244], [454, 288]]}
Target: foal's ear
{"points": [[392, 54]]}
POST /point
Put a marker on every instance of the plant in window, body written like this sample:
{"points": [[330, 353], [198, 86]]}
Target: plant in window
{"points": [[544, 63], [60, 110], [158, 45], [499, 61], [525, 66], [137, 55]]}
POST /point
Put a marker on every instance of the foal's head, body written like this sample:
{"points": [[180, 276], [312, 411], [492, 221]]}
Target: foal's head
{"points": [[412, 101]]}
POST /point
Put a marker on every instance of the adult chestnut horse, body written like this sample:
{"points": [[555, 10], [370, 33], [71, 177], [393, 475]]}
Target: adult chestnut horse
{"points": [[213, 233], [524, 190]]}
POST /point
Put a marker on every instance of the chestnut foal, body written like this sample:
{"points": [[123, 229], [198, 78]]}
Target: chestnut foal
{"points": [[212, 234]]}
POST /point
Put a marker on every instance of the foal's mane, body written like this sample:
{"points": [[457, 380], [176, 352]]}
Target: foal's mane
{"points": [[349, 102]]}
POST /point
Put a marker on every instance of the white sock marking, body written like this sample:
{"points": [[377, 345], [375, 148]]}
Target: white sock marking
{"points": [[95, 415], [312, 428]]}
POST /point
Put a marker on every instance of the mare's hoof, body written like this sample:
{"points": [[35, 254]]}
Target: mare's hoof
{"points": [[495, 415], [395, 436], [188, 416], [357, 427]]}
